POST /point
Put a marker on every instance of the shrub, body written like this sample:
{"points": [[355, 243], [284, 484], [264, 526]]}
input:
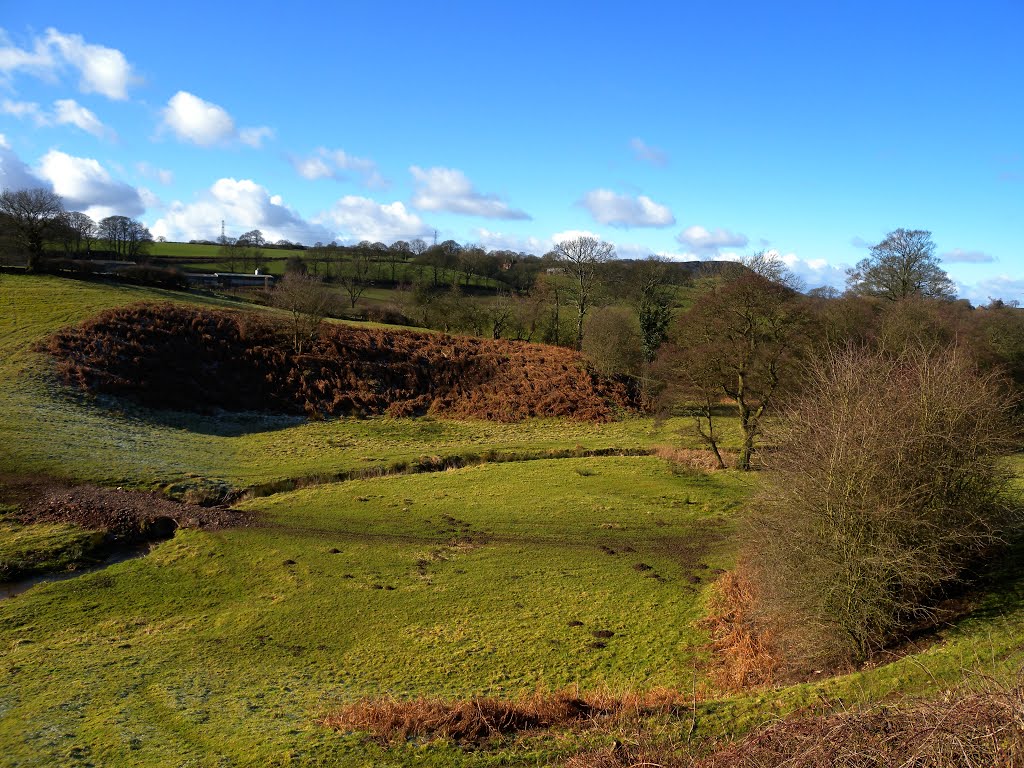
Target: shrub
{"points": [[886, 488]]}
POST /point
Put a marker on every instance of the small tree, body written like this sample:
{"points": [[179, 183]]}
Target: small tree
{"points": [[884, 488], [745, 336], [582, 259], [902, 265], [356, 278], [308, 301]]}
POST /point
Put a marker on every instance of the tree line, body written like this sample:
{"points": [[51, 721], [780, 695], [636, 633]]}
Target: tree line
{"points": [[30, 218]]}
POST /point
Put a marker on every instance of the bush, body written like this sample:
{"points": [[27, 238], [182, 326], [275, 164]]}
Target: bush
{"points": [[885, 490]]}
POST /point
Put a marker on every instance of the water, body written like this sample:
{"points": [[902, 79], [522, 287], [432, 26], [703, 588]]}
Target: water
{"points": [[119, 555]]}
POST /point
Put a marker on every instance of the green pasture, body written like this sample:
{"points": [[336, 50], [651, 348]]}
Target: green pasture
{"points": [[224, 648]]}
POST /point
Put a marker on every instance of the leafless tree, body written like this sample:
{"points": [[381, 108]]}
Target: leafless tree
{"points": [[32, 215], [582, 259], [79, 232], [901, 266], [355, 279], [308, 301]]}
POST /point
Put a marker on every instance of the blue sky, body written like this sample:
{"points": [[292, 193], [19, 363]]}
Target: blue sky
{"points": [[694, 130]]}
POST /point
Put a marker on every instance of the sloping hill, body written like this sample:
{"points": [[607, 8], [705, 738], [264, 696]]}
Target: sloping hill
{"points": [[172, 356]]}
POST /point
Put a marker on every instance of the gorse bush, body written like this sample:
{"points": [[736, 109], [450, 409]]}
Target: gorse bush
{"points": [[885, 489]]}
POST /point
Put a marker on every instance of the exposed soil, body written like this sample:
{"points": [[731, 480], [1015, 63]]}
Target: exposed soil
{"points": [[122, 515], [170, 356]]}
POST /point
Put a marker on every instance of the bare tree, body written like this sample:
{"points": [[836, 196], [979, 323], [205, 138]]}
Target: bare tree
{"points": [[582, 259], [356, 278], [128, 238], [32, 215], [79, 232], [902, 265], [308, 301], [745, 335]]}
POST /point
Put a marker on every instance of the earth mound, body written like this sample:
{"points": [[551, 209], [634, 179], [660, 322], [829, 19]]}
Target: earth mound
{"points": [[178, 357]]}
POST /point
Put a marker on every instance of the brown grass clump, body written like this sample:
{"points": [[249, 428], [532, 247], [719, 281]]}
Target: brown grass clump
{"points": [[743, 655], [482, 719], [689, 458], [171, 356]]}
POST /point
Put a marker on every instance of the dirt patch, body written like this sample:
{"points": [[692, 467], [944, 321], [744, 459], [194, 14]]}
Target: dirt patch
{"points": [[170, 356], [122, 515]]}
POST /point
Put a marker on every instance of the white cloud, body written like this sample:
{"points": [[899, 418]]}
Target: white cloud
{"points": [[103, 70], [360, 218], [39, 61], [616, 210], [70, 112], [705, 244], [337, 164], [86, 186], [448, 189], [243, 205], [644, 151], [859, 242], [200, 122], [1002, 287], [162, 175], [572, 234], [14, 173], [65, 112], [500, 241], [958, 255], [254, 137], [25, 110]]}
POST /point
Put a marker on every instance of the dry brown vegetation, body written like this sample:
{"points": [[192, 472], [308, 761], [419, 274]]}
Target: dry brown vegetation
{"points": [[171, 356], [958, 730], [477, 720]]}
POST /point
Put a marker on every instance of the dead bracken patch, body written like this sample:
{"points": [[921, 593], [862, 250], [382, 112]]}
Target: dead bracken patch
{"points": [[171, 356], [742, 651], [955, 730], [481, 719]]}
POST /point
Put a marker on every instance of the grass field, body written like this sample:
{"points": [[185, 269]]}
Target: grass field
{"points": [[224, 648]]}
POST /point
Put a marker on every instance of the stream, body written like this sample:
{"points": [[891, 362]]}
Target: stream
{"points": [[119, 555]]}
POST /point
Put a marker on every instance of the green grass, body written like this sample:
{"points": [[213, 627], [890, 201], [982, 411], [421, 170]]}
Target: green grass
{"points": [[214, 646], [42, 548], [45, 429], [213, 650]]}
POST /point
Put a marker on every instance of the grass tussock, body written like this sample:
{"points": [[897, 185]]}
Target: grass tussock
{"points": [[484, 718], [688, 459], [957, 730], [171, 356]]}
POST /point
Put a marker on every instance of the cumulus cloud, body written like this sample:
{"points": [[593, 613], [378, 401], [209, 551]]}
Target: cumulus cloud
{"points": [[101, 70], [958, 255], [1002, 287], [14, 173], [201, 122], [501, 241], [708, 244], [357, 218], [70, 112], [152, 172], [648, 154], [616, 210], [338, 164], [448, 189], [244, 205], [87, 186]]}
